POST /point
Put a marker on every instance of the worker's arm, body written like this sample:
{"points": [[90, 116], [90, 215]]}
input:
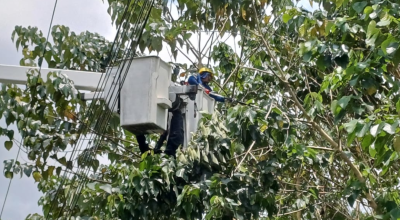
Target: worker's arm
{"points": [[193, 81], [217, 98]]}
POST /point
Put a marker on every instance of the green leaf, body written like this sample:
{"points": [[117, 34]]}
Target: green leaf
{"points": [[372, 150], [334, 106], [344, 101], [364, 130], [278, 111], [50, 171], [95, 165], [350, 126], [8, 144], [386, 43], [28, 170], [376, 129], [188, 209], [372, 33], [37, 176], [286, 18], [186, 36], [92, 185], [395, 213], [339, 3], [385, 21], [214, 159], [62, 161], [314, 192], [352, 198], [366, 142], [180, 172], [388, 128], [329, 26], [368, 10], [371, 29], [9, 174], [10, 134], [307, 56], [396, 58], [106, 187], [359, 6]]}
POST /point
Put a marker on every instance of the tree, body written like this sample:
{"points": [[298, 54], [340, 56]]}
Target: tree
{"points": [[318, 137]]}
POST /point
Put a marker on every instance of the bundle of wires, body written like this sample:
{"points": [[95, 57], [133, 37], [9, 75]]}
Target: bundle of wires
{"points": [[130, 29]]}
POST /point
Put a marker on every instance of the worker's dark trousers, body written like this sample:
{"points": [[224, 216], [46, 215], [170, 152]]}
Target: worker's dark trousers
{"points": [[175, 139]]}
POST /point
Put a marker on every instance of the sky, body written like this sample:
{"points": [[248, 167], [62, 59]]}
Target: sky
{"points": [[79, 15]]}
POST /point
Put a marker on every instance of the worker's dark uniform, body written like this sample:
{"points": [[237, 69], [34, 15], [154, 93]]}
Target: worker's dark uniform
{"points": [[176, 134], [175, 138]]}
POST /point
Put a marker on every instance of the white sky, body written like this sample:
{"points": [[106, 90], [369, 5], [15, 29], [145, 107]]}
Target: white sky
{"points": [[79, 15]]}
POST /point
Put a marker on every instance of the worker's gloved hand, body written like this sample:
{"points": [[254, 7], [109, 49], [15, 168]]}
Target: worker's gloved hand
{"points": [[230, 100]]}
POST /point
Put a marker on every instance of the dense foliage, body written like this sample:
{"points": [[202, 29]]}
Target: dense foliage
{"points": [[318, 139]]}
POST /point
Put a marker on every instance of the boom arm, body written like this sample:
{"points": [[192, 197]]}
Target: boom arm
{"points": [[82, 80]]}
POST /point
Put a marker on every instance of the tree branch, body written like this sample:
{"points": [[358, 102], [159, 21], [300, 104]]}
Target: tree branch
{"points": [[252, 144], [314, 125]]}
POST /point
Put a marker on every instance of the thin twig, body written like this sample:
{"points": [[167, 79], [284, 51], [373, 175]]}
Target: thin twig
{"points": [[252, 144], [316, 126]]}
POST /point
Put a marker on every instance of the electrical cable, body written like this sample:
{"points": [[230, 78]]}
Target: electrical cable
{"points": [[92, 108], [102, 123], [9, 184], [48, 34], [84, 181], [98, 124], [40, 68]]}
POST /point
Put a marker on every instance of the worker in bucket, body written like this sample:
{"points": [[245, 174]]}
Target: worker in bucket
{"points": [[176, 131], [203, 79]]}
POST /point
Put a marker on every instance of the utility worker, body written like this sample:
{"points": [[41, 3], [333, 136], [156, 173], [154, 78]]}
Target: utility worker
{"points": [[203, 79], [176, 131]]}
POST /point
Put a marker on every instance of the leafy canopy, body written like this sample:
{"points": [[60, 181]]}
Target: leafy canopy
{"points": [[319, 137]]}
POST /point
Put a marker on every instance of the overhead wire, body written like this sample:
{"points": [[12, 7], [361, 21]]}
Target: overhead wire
{"points": [[40, 63], [92, 113], [102, 121], [93, 109], [128, 64], [89, 113], [48, 34], [9, 184]]}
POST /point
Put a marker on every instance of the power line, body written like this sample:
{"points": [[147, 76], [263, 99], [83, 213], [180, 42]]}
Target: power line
{"points": [[48, 34], [130, 35], [40, 68], [138, 29], [9, 183]]}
